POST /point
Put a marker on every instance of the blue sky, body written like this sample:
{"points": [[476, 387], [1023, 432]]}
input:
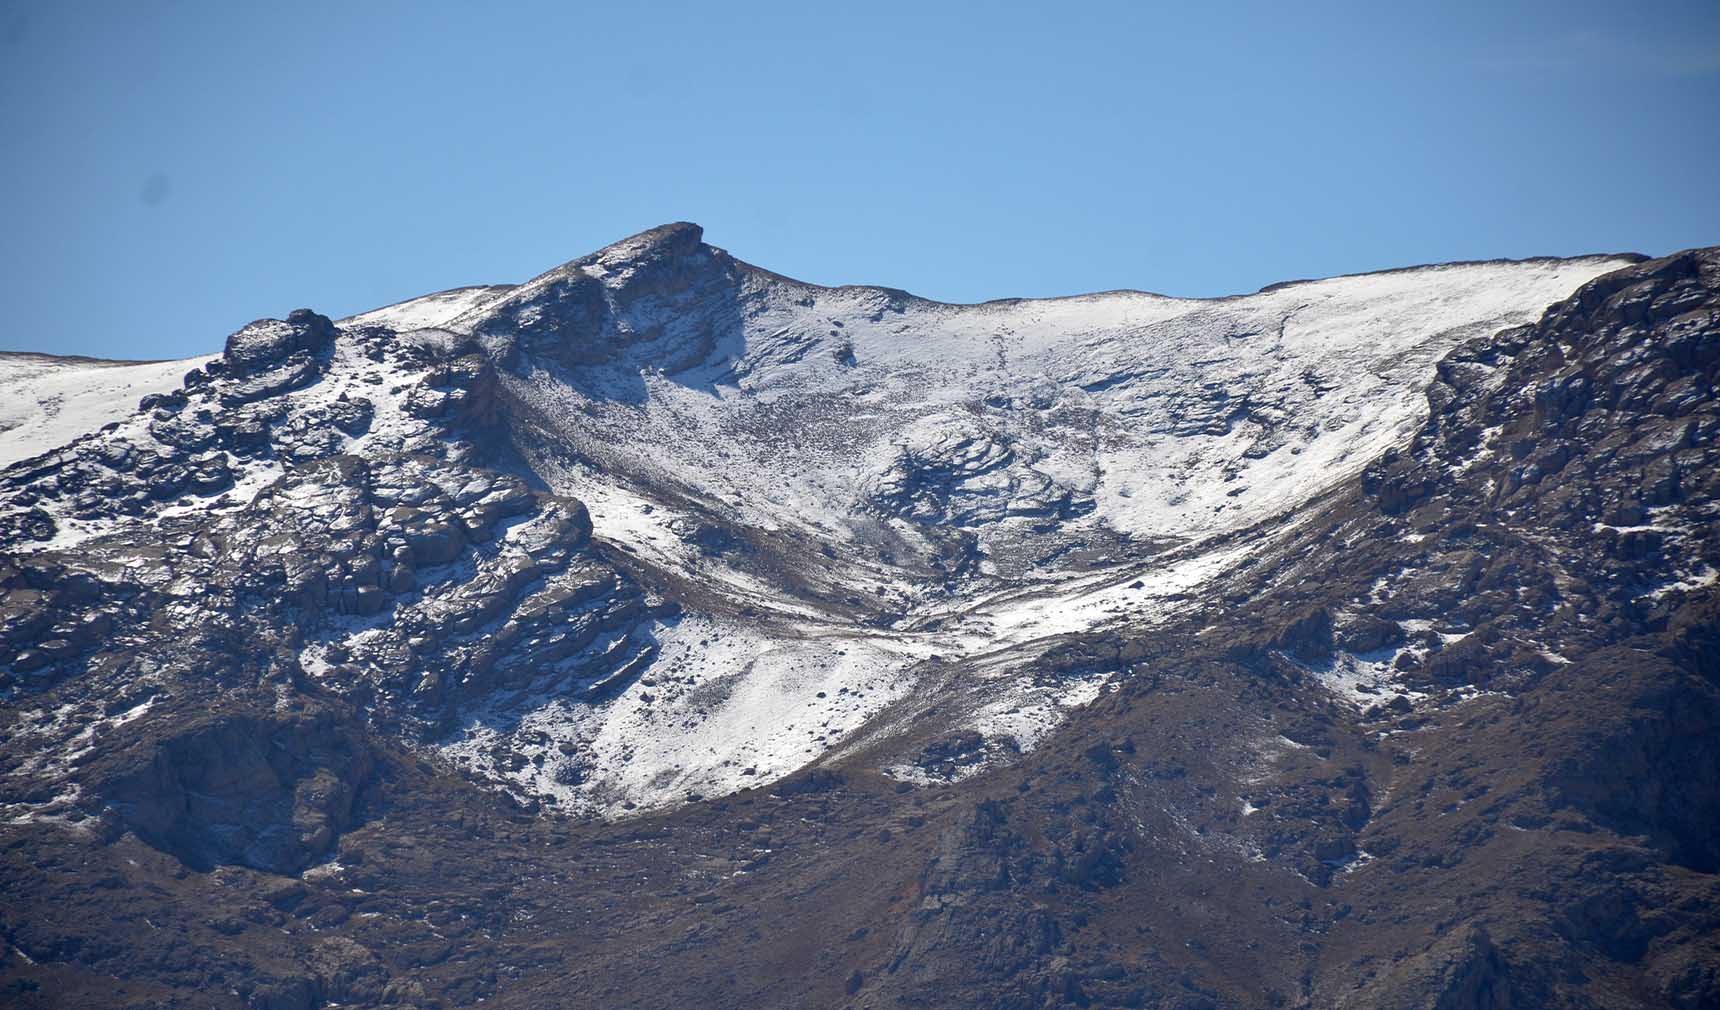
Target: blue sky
{"points": [[173, 170]]}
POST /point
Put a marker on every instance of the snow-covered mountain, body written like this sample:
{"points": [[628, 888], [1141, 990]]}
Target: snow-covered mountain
{"points": [[659, 527], [832, 485]]}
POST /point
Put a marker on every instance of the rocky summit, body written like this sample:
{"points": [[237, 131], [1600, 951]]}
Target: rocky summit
{"points": [[666, 632]]}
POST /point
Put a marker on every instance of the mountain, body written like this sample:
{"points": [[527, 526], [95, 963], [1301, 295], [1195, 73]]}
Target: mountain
{"points": [[664, 631]]}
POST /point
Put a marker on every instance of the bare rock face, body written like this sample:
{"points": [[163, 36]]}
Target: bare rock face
{"points": [[1463, 971], [662, 299], [271, 794], [950, 472], [267, 344], [666, 632]]}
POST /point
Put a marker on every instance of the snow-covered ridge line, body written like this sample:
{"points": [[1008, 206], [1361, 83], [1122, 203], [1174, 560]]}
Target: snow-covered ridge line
{"points": [[769, 275], [1623, 258], [1616, 259], [430, 310]]}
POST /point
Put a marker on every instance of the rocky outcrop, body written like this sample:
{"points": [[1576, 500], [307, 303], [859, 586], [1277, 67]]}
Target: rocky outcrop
{"points": [[1652, 768], [959, 475], [1462, 971], [268, 343], [228, 539], [662, 299], [264, 792]]}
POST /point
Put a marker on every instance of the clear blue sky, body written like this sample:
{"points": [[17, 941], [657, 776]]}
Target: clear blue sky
{"points": [[173, 170]]}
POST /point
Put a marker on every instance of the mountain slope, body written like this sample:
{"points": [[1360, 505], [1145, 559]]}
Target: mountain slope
{"points": [[47, 400], [1118, 649]]}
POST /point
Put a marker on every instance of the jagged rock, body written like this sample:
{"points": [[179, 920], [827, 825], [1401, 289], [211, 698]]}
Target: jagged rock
{"points": [[1369, 634], [955, 474], [268, 795], [1308, 637], [34, 524], [295, 372], [267, 343]]}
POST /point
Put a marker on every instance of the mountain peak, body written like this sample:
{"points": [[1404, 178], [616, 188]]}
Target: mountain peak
{"points": [[674, 237], [664, 244]]}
